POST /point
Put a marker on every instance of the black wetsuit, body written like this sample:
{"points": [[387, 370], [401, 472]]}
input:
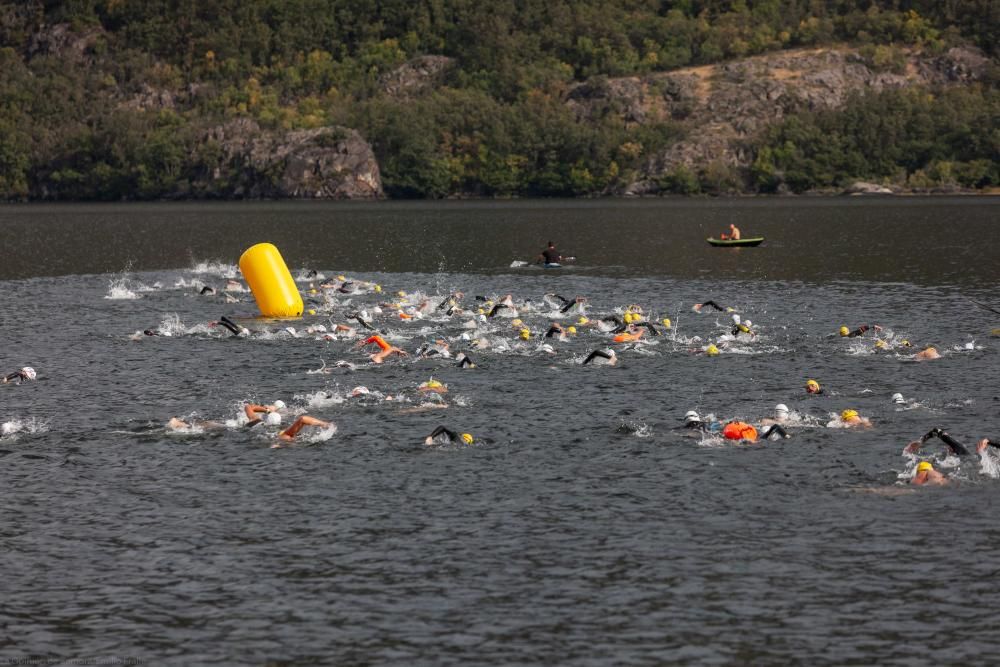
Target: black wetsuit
{"points": [[595, 354], [464, 361], [775, 428], [551, 256], [229, 324], [553, 331], [860, 331], [454, 437], [649, 327], [713, 304], [207, 290], [956, 448], [497, 308]]}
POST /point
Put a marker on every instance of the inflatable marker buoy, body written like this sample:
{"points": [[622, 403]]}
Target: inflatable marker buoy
{"points": [[270, 281]]}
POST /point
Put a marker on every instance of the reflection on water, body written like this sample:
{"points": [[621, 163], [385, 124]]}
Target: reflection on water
{"points": [[920, 240]]}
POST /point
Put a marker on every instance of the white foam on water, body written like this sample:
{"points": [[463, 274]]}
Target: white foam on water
{"points": [[216, 267]]}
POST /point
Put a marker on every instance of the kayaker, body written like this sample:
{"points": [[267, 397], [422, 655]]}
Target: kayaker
{"points": [[550, 255], [733, 235]]}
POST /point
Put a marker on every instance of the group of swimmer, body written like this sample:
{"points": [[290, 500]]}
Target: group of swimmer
{"points": [[630, 328]]}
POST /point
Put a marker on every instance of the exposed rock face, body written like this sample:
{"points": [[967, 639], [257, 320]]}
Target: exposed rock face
{"points": [[418, 74], [60, 40], [321, 163], [726, 104]]}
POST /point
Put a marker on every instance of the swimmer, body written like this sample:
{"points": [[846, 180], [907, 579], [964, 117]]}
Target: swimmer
{"points": [[300, 422], [233, 327], [464, 361], [252, 411], [19, 376], [860, 331], [898, 399], [207, 290], [556, 330], [606, 357], [780, 416], [432, 386], [711, 304], [549, 256], [437, 348], [358, 317], [385, 349], [444, 436], [451, 302], [926, 474], [812, 387], [851, 419], [234, 286], [741, 327], [927, 354], [694, 422], [578, 301], [954, 446]]}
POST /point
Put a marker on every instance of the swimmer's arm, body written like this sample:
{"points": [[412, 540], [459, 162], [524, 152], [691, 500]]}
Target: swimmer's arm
{"points": [[955, 446], [438, 431], [252, 409]]}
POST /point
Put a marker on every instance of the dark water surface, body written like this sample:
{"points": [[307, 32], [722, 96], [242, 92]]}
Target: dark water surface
{"points": [[583, 527]]}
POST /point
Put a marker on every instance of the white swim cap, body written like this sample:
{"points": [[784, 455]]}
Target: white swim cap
{"points": [[898, 398], [781, 407], [547, 348], [691, 416], [279, 405], [272, 419], [747, 322], [364, 315], [736, 318], [360, 391], [29, 373]]}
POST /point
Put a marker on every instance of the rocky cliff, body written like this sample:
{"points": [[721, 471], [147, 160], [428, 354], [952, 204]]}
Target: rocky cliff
{"points": [[722, 106], [320, 163]]}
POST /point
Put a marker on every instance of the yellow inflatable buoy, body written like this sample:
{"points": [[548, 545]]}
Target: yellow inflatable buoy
{"points": [[270, 281]]}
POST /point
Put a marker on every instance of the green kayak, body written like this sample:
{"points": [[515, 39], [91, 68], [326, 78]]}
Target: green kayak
{"points": [[749, 243]]}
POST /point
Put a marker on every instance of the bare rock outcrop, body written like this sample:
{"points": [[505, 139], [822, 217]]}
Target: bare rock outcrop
{"points": [[725, 105], [416, 75], [319, 163]]}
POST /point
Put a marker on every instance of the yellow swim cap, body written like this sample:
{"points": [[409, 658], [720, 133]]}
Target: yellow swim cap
{"points": [[582, 320], [312, 311], [525, 334], [517, 323], [711, 350], [666, 322], [571, 329], [312, 291], [905, 343], [341, 277], [482, 312], [378, 289], [467, 438], [848, 415], [812, 383], [880, 343], [924, 466], [400, 293], [844, 331], [433, 384]]}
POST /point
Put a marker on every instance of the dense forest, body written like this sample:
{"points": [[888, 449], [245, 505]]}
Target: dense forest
{"points": [[117, 99]]}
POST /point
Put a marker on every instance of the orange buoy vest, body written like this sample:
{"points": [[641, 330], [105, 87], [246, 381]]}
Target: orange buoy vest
{"points": [[739, 431]]}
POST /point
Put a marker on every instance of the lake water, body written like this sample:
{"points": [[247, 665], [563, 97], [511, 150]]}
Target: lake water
{"points": [[583, 527]]}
